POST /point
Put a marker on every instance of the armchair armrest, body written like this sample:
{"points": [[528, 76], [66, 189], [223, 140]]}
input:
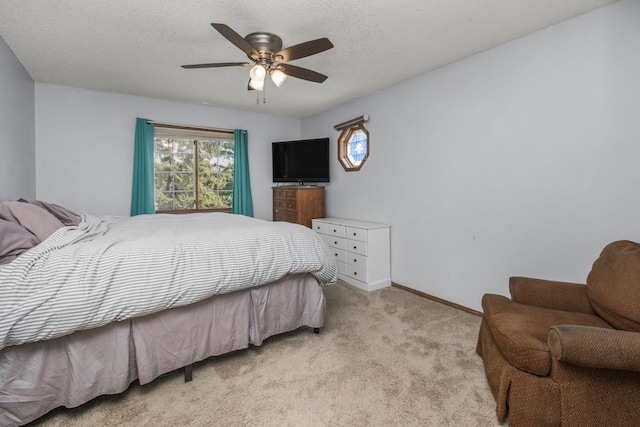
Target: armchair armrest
{"points": [[592, 347], [550, 294]]}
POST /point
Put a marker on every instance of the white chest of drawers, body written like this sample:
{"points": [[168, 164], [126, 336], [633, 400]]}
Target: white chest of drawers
{"points": [[361, 248]]}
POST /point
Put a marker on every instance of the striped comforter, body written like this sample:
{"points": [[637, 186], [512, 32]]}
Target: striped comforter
{"points": [[114, 268]]}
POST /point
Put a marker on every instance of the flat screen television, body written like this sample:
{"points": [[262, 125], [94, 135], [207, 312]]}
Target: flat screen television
{"points": [[301, 161]]}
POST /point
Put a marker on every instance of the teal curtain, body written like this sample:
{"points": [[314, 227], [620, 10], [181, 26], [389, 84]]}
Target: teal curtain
{"points": [[142, 200], [242, 203]]}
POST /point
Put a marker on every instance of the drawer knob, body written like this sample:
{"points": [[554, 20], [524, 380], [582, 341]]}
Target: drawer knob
{"points": [[355, 260], [335, 243], [355, 234], [355, 247], [334, 230], [355, 273]]}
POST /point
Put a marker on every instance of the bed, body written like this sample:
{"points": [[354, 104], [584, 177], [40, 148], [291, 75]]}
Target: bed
{"points": [[98, 305]]}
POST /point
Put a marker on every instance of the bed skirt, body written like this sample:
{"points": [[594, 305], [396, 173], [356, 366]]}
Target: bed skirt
{"points": [[71, 370]]}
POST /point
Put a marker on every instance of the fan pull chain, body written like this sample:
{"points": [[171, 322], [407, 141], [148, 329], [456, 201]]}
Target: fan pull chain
{"points": [[264, 97]]}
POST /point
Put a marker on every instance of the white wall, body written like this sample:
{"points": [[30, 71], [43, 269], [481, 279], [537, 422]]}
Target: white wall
{"points": [[521, 160], [84, 142], [17, 118]]}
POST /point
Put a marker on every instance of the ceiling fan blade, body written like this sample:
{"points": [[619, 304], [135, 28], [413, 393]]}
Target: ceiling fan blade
{"points": [[302, 73], [235, 38], [218, 64], [302, 50]]}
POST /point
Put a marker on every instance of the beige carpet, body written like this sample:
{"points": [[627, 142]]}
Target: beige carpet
{"points": [[384, 358]]}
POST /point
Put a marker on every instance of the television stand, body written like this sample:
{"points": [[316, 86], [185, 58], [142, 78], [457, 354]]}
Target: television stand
{"points": [[298, 203]]}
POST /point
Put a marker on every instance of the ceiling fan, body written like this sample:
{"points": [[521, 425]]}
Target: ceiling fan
{"points": [[265, 50]]}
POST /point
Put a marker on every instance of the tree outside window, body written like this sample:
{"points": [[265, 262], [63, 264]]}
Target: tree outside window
{"points": [[193, 173]]}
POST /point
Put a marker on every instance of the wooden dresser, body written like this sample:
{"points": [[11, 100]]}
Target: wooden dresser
{"points": [[298, 204]]}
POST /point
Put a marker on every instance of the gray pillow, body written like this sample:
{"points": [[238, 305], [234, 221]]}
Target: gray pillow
{"points": [[14, 240], [35, 219], [65, 216]]}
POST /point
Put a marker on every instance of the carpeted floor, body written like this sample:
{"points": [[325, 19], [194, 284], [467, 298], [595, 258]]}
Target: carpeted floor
{"points": [[384, 358]]}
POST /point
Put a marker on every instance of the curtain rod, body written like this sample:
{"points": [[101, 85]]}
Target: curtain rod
{"points": [[170, 126], [353, 122]]}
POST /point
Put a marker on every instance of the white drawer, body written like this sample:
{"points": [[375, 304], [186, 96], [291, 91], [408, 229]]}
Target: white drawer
{"points": [[319, 226], [357, 247], [356, 273], [342, 268], [335, 230], [355, 233], [339, 254], [333, 242], [356, 260]]}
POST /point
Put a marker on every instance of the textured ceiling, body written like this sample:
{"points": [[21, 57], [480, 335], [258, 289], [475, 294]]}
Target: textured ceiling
{"points": [[137, 46]]}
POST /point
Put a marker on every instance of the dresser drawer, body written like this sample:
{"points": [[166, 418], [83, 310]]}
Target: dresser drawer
{"points": [[357, 247], [356, 259], [355, 233], [284, 193], [335, 230], [284, 216], [334, 242], [342, 268], [319, 227], [339, 254], [356, 273], [290, 194], [285, 204]]}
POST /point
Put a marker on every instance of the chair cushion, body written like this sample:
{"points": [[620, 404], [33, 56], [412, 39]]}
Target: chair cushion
{"points": [[613, 285], [520, 330]]}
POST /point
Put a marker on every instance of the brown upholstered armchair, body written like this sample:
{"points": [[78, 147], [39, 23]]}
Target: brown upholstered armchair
{"points": [[567, 354]]}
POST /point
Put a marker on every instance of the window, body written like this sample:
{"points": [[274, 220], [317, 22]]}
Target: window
{"points": [[353, 143], [193, 169], [354, 147]]}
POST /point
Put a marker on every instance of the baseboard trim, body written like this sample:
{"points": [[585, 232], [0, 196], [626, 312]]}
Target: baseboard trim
{"points": [[436, 299], [367, 287]]}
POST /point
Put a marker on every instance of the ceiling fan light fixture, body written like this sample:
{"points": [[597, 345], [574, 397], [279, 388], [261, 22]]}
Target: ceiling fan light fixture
{"points": [[257, 72], [257, 84], [266, 53], [278, 77]]}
